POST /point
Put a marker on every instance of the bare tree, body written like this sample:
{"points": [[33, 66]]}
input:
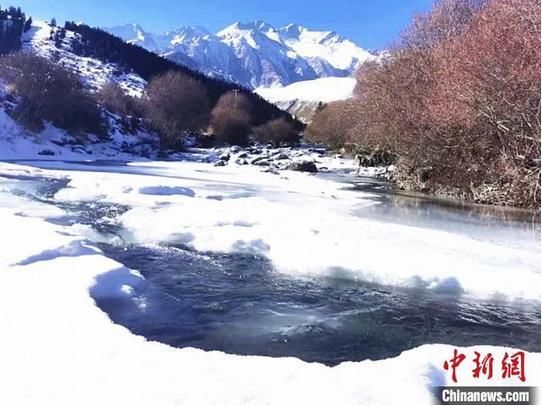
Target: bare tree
{"points": [[457, 99], [277, 132], [231, 118], [116, 100], [175, 104]]}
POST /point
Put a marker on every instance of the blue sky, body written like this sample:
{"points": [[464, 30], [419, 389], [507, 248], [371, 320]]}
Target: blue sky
{"points": [[371, 23]]}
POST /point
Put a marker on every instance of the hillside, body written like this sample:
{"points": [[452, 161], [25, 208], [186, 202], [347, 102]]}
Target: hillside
{"points": [[302, 99], [123, 139], [101, 45]]}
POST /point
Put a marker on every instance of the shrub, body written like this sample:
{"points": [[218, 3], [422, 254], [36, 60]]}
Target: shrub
{"points": [[176, 104], [48, 92], [332, 124], [277, 132], [231, 118], [117, 101], [457, 100]]}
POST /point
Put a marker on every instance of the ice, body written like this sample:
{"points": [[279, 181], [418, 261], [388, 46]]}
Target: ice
{"points": [[304, 225], [166, 191]]}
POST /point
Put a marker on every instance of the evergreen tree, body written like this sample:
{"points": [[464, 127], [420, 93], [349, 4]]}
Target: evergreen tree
{"points": [[28, 24]]}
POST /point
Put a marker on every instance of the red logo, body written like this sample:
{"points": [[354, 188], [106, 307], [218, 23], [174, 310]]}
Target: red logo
{"points": [[511, 365]]}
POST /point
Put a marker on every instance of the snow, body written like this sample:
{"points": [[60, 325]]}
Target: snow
{"points": [[255, 54], [339, 52], [304, 224], [94, 72], [59, 348], [53, 143], [323, 90]]}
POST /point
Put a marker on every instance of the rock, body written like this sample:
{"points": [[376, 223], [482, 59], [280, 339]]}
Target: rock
{"points": [[242, 155], [375, 157], [254, 150], [260, 161], [281, 156], [319, 151], [303, 166], [46, 152], [241, 161], [224, 157], [220, 163], [235, 149]]}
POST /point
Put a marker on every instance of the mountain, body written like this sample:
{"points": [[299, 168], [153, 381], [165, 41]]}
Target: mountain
{"points": [[254, 54]]}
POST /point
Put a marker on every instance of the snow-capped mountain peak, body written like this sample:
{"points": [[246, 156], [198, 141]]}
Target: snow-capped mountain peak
{"points": [[255, 54], [185, 34]]}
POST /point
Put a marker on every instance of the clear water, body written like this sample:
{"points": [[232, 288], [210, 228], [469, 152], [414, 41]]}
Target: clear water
{"points": [[239, 304]]}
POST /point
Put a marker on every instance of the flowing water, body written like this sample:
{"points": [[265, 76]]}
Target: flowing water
{"points": [[239, 304]]}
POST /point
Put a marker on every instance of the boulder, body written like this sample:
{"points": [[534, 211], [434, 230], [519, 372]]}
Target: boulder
{"points": [[224, 157], [241, 161], [303, 166], [281, 156], [260, 161]]}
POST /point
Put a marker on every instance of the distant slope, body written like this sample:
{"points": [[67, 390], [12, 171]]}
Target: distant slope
{"points": [[320, 90], [301, 99], [254, 54]]}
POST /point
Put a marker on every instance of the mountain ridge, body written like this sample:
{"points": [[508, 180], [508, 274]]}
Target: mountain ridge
{"points": [[254, 54]]}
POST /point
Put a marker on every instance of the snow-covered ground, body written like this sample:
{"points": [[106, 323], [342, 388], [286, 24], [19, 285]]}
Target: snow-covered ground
{"points": [[302, 99], [59, 348], [323, 90], [17, 142]]}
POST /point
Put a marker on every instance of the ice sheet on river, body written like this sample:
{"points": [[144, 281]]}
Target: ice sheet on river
{"points": [[305, 225]]}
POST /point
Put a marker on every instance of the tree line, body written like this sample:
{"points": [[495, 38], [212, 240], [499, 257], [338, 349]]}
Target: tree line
{"points": [[13, 23], [456, 100], [174, 105]]}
